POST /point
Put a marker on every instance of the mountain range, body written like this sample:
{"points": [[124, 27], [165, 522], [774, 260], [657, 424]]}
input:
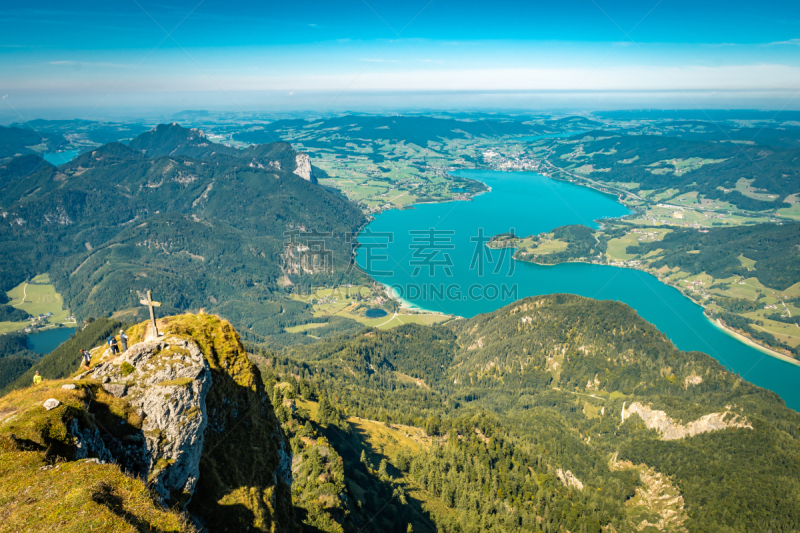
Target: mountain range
{"points": [[200, 224]]}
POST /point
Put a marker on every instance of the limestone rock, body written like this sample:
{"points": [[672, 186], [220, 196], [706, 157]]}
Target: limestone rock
{"points": [[183, 403], [290, 404], [69, 386], [692, 379], [569, 479], [284, 471], [303, 166], [657, 498], [51, 404], [88, 442], [672, 430], [115, 389], [168, 386]]}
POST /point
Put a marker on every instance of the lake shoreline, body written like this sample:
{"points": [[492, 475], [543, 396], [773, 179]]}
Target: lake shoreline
{"points": [[514, 193], [727, 329], [716, 322], [408, 306], [747, 340]]}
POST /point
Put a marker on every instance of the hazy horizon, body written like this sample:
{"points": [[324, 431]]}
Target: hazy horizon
{"points": [[154, 106], [98, 61]]}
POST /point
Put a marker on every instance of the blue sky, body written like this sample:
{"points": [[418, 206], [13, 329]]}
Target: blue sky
{"points": [[80, 52]]}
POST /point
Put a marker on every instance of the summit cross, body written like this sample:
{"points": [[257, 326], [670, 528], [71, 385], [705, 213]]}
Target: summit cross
{"points": [[151, 304]]}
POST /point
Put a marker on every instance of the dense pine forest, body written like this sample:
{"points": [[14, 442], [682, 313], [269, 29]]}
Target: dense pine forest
{"points": [[634, 159]]}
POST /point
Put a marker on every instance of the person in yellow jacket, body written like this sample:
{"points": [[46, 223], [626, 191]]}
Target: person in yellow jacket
{"points": [[37, 378]]}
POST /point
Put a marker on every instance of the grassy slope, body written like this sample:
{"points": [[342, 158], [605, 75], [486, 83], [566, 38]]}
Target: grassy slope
{"points": [[35, 298], [44, 489]]}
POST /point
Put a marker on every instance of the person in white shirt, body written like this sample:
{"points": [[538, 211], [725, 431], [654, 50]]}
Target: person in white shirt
{"points": [[123, 338]]}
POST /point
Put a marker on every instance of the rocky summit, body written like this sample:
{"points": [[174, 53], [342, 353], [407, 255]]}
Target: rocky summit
{"points": [[166, 381], [175, 434]]}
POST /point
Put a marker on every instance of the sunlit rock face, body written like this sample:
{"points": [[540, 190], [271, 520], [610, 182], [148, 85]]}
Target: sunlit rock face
{"points": [[303, 166]]}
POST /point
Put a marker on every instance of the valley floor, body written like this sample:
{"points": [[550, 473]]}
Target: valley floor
{"points": [[38, 297]]}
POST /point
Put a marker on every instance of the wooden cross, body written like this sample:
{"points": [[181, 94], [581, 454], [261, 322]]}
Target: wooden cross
{"points": [[151, 304]]}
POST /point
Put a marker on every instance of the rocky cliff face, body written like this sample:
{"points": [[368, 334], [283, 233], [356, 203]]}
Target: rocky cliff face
{"points": [[569, 479], [672, 430], [245, 478], [303, 169], [166, 380]]}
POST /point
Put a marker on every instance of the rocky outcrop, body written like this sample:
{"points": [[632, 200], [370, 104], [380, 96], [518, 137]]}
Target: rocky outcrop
{"points": [[166, 381], [245, 465], [75, 467], [672, 430], [657, 504], [569, 479], [180, 424], [692, 379], [88, 442], [303, 166]]}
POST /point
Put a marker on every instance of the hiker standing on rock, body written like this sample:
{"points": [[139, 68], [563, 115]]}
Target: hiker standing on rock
{"points": [[123, 339], [87, 358], [112, 342]]}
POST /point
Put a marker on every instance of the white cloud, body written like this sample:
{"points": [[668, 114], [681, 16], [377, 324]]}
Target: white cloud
{"points": [[795, 42]]}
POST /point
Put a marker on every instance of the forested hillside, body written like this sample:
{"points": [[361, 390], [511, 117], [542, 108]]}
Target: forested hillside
{"points": [[560, 412], [201, 224], [58, 364], [773, 248], [661, 162], [15, 357], [708, 266], [15, 141], [168, 140]]}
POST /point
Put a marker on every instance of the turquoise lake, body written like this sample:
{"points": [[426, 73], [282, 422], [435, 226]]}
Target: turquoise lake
{"points": [[59, 158], [529, 203], [48, 340]]}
